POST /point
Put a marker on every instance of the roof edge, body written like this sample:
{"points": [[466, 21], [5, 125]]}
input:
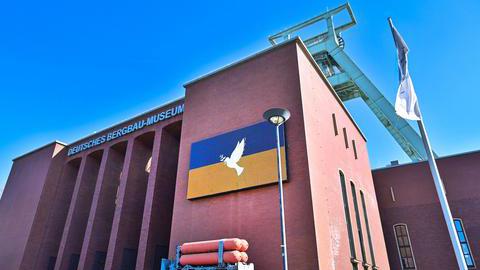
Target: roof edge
{"points": [[38, 149], [241, 61], [424, 161], [297, 40], [130, 118], [105, 129]]}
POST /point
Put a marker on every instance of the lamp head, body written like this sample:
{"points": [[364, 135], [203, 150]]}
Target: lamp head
{"points": [[276, 116]]}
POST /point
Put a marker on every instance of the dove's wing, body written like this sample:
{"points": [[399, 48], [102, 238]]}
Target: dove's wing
{"points": [[238, 151]]}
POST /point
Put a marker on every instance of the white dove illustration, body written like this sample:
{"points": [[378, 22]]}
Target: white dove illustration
{"points": [[232, 161]]}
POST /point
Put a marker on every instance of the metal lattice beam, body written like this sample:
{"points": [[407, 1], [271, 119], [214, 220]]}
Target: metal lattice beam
{"points": [[349, 81]]}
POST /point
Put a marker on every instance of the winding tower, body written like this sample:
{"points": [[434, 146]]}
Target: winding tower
{"points": [[348, 80]]}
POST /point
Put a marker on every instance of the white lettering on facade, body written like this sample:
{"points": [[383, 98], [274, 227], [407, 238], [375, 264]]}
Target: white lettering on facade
{"points": [[148, 121]]}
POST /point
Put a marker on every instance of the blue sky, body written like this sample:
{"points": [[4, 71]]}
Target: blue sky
{"points": [[69, 68]]}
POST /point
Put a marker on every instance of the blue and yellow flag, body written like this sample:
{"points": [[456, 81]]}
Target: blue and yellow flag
{"points": [[239, 159]]}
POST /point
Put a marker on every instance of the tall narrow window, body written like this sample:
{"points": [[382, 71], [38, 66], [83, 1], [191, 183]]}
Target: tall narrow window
{"points": [[359, 224], [335, 128], [369, 236], [348, 220], [148, 166], [345, 137], [354, 149], [404, 247], [117, 193], [462, 236]]}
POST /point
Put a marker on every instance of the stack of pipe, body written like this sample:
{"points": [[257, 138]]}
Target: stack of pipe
{"points": [[206, 252]]}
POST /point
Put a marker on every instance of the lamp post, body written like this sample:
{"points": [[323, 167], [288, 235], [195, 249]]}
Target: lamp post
{"points": [[277, 117]]}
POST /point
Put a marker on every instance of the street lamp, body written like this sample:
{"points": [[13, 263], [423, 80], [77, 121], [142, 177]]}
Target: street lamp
{"points": [[277, 117]]}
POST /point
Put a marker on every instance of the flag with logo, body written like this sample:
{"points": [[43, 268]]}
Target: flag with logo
{"points": [[239, 159], [406, 103]]}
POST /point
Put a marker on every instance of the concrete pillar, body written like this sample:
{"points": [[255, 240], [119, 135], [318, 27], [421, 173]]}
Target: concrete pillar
{"points": [[157, 214], [123, 244], [73, 233], [56, 221], [99, 223]]}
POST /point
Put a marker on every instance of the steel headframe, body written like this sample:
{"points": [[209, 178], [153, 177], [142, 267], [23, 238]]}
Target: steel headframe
{"points": [[327, 48]]}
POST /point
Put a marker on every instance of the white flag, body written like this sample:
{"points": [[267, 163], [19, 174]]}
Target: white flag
{"points": [[406, 104]]}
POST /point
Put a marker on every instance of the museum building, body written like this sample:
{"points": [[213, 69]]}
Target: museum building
{"points": [[125, 197]]}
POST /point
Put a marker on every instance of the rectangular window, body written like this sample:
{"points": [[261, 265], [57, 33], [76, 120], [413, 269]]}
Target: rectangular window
{"points": [[345, 137], [348, 220], [359, 224], [365, 216], [335, 128], [404, 247], [354, 149], [462, 236]]}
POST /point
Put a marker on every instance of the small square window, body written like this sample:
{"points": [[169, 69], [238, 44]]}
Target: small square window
{"points": [[458, 226], [461, 237], [468, 260]]}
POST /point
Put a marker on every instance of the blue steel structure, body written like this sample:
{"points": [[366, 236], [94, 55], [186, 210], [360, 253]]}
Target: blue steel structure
{"points": [[175, 264], [327, 48]]}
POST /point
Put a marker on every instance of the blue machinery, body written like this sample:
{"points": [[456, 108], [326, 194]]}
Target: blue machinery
{"points": [[175, 264], [349, 81]]}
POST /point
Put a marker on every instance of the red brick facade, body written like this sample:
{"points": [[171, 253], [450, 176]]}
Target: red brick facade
{"points": [[415, 203], [121, 204]]}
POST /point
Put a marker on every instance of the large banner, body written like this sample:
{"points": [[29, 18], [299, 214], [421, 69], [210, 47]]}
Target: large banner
{"points": [[236, 160]]}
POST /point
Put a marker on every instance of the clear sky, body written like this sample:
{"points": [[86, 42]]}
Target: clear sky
{"points": [[69, 68]]}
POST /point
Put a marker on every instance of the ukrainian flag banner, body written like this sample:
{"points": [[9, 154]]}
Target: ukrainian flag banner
{"points": [[236, 160]]}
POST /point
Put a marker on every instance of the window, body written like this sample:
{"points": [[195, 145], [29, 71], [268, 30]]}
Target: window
{"points": [[359, 224], [348, 220], [365, 216], [462, 236], [354, 149], [345, 137], [148, 166], [117, 196], [335, 128], [404, 247]]}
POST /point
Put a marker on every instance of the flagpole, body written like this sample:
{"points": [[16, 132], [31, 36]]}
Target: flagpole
{"points": [[407, 106], [442, 198]]}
